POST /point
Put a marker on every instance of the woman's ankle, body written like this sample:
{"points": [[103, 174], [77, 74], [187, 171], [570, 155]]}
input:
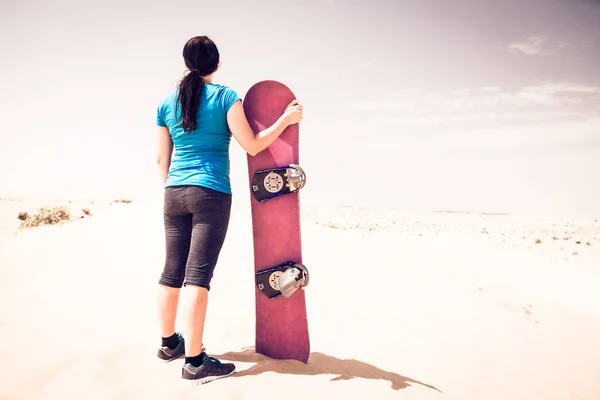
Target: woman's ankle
{"points": [[196, 360]]}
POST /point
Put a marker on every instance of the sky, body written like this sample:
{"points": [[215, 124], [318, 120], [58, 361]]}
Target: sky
{"points": [[451, 104]]}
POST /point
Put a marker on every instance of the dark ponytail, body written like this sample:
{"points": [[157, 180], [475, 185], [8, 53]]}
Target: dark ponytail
{"points": [[189, 99], [201, 56]]}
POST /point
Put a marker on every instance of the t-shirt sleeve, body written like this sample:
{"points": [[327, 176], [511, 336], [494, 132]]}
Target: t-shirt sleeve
{"points": [[228, 98], [160, 115]]}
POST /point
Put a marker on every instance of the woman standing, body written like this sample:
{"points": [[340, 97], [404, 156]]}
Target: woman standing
{"points": [[197, 120]]}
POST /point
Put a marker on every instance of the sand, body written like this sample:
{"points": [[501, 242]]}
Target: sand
{"points": [[411, 305]]}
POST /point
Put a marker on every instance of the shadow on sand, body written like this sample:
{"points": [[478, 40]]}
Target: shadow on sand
{"points": [[318, 364]]}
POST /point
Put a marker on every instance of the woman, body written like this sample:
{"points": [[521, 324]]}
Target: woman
{"points": [[198, 120]]}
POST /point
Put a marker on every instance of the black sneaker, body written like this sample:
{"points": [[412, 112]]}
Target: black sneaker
{"points": [[166, 354], [210, 370]]}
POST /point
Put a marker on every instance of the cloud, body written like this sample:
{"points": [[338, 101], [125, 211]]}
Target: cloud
{"points": [[535, 45], [484, 106]]}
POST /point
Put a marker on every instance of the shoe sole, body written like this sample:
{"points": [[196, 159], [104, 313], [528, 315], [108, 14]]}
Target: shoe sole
{"points": [[208, 379]]}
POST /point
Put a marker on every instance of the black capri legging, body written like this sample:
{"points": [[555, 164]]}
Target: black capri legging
{"points": [[196, 221]]}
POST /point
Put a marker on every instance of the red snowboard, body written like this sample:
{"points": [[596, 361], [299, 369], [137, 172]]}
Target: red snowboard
{"points": [[281, 324]]}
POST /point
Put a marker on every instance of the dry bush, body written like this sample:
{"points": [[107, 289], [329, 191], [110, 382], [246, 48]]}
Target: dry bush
{"points": [[45, 216]]}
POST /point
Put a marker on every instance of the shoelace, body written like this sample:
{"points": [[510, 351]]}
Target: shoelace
{"points": [[214, 360]]}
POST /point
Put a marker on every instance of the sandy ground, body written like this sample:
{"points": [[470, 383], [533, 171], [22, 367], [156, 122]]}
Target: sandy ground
{"points": [[400, 305]]}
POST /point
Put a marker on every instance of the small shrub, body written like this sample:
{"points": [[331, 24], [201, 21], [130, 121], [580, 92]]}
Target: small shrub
{"points": [[45, 216]]}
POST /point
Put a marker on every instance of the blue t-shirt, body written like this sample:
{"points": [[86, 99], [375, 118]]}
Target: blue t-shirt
{"points": [[202, 156]]}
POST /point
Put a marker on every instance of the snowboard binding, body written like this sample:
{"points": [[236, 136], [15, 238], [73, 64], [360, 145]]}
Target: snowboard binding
{"points": [[284, 279], [270, 183]]}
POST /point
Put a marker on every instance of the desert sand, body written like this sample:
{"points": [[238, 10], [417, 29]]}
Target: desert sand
{"points": [[411, 305]]}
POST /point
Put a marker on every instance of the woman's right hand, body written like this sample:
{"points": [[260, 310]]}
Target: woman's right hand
{"points": [[255, 143], [293, 112]]}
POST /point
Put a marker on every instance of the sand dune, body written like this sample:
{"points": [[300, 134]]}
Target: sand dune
{"points": [[416, 305]]}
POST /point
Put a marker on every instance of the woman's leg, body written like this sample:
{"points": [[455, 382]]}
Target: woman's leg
{"points": [[211, 212], [195, 299], [178, 231], [168, 299]]}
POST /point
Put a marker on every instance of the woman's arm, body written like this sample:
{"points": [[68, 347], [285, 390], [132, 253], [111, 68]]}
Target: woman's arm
{"points": [[254, 144], [165, 151]]}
